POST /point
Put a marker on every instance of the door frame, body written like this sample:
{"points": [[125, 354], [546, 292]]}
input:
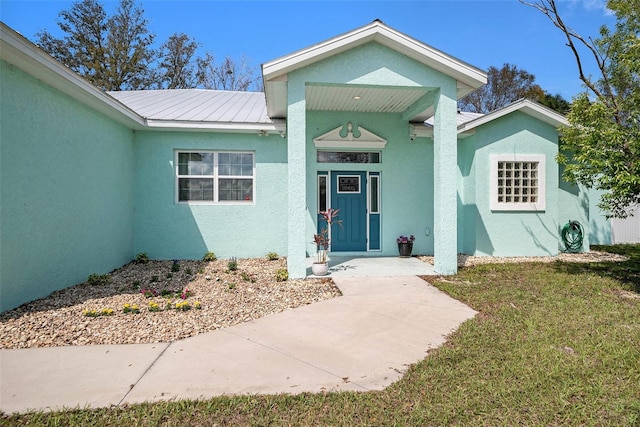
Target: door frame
{"points": [[324, 177]]}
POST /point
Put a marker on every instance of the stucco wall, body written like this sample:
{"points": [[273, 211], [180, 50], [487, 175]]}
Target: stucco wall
{"points": [[406, 171], [165, 229], [406, 178], [66, 196], [499, 233]]}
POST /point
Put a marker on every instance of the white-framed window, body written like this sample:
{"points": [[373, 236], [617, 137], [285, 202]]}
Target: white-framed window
{"points": [[214, 176], [518, 182], [348, 184], [323, 193], [374, 194]]}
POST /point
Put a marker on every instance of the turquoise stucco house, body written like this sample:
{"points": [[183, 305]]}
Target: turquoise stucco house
{"points": [[366, 122]]}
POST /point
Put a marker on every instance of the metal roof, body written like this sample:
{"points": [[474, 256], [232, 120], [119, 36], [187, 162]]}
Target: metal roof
{"points": [[196, 105]]}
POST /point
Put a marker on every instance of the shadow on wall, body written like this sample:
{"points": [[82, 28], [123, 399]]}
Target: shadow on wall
{"points": [[535, 237], [476, 239]]}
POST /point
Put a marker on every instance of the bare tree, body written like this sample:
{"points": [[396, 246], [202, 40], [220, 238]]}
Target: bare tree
{"points": [[178, 65], [230, 75], [504, 86]]}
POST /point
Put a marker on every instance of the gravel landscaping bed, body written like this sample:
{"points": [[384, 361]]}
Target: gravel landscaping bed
{"points": [[123, 306], [592, 256], [191, 297]]}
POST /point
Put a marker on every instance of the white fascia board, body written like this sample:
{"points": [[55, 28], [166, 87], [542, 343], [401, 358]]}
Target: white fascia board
{"points": [[434, 58], [417, 130], [20, 52], [526, 106], [386, 36], [283, 65], [270, 128]]}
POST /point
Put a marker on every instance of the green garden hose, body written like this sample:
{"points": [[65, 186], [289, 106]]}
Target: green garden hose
{"points": [[572, 236]]}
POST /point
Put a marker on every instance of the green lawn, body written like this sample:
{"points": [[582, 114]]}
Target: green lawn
{"points": [[554, 344]]}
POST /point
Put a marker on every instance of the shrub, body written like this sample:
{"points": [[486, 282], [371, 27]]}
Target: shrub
{"points": [[98, 279], [175, 266], [232, 265], [209, 256], [282, 275], [184, 306], [272, 256], [142, 258], [128, 308], [149, 293]]}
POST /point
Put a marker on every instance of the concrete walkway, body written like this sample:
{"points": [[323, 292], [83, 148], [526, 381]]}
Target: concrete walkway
{"points": [[363, 340]]}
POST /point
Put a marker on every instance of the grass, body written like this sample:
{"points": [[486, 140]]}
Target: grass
{"points": [[554, 344]]}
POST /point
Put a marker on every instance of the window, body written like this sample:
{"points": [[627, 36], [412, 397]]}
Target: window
{"points": [[214, 176], [344, 157], [348, 184], [374, 194], [518, 182], [322, 193]]}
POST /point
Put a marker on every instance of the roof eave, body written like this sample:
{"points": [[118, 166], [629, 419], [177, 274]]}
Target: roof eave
{"points": [[21, 53], [469, 78], [526, 106], [277, 127]]}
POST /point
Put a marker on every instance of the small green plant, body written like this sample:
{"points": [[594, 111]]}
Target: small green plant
{"points": [[197, 305], [175, 266], [148, 293], [209, 256], [232, 286], [153, 306], [131, 308], [188, 271], [95, 313], [166, 293], [183, 306], [200, 271], [98, 279], [272, 256], [232, 265], [142, 258], [186, 294], [154, 279], [282, 275], [136, 285], [169, 275], [245, 277]]}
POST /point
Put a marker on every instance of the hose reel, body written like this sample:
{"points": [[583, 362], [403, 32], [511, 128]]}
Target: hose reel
{"points": [[572, 236]]}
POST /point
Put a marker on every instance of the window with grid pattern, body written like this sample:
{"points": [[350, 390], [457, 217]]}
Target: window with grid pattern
{"points": [[213, 177], [517, 182]]}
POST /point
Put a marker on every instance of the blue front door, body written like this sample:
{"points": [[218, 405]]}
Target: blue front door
{"points": [[349, 194]]}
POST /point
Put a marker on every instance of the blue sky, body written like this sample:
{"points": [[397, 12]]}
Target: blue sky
{"points": [[480, 32]]}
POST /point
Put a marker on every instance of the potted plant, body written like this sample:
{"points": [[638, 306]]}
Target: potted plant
{"points": [[320, 267], [405, 245]]}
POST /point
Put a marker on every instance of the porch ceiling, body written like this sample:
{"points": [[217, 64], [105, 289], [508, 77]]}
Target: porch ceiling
{"points": [[368, 99]]}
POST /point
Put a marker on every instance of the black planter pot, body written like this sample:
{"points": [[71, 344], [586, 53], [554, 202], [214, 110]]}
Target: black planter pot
{"points": [[405, 249]]}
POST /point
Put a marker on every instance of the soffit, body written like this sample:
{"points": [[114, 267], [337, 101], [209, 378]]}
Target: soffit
{"points": [[362, 98]]}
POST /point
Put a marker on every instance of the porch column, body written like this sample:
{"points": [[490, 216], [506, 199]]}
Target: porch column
{"points": [[296, 181], [445, 139]]}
